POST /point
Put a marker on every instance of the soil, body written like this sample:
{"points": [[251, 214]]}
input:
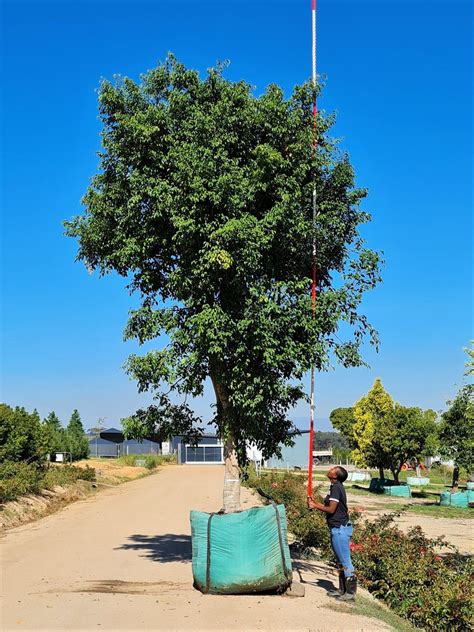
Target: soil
{"points": [[121, 560]]}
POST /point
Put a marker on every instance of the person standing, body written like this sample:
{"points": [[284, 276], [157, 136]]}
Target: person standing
{"points": [[340, 527]]}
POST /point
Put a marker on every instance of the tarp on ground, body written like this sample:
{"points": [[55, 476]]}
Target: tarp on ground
{"points": [[243, 552]]}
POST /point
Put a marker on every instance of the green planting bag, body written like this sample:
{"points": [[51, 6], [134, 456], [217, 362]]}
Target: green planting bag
{"points": [[403, 491], [418, 481], [460, 499], [243, 552], [377, 484]]}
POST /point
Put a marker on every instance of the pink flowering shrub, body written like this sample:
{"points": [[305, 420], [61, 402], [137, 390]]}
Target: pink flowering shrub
{"points": [[432, 590], [423, 579]]}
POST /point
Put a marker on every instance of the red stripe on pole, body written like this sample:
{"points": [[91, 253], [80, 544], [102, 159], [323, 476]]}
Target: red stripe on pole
{"points": [[313, 275]]}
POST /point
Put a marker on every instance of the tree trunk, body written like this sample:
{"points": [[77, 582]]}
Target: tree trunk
{"points": [[231, 477], [455, 479], [231, 496], [381, 472]]}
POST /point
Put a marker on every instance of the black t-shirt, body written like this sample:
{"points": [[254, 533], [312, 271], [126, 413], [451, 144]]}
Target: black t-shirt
{"points": [[341, 515]]}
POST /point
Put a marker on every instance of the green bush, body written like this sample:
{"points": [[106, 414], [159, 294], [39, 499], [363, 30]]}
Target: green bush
{"points": [[19, 478], [151, 460], [66, 475], [21, 436], [432, 591]]}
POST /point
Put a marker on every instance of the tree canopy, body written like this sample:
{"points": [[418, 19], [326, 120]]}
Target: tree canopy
{"points": [[203, 202], [343, 419], [76, 440], [21, 435], [456, 431], [385, 434]]}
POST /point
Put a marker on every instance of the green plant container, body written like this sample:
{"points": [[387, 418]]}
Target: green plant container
{"points": [[470, 495], [378, 484], [358, 476], [418, 481], [243, 552], [459, 499], [402, 491]]}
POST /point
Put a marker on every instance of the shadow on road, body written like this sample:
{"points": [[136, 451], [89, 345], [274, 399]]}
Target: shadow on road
{"points": [[161, 548], [309, 570]]}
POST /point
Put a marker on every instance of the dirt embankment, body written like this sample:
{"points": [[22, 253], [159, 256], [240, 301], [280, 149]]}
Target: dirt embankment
{"points": [[32, 507]]}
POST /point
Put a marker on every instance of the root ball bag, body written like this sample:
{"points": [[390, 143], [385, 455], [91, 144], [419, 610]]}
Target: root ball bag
{"points": [[243, 552]]}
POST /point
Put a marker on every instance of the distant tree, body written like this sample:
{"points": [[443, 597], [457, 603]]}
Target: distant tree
{"points": [[54, 433], [470, 362], [342, 455], [456, 431], [203, 201], [21, 436], [370, 413], [326, 440], [343, 420], [406, 434], [384, 434], [53, 421], [75, 424], [77, 442]]}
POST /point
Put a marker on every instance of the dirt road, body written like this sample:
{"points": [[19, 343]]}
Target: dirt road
{"points": [[122, 561]]}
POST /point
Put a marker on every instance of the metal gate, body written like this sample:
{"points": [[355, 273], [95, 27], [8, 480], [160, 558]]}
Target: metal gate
{"points": [[205, 453]]}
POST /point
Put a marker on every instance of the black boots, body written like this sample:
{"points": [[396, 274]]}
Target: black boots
{"points": [[342, 586], [351, 589]]}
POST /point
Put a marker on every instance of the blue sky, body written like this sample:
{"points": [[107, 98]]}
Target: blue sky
{"points": [[399, 75]]}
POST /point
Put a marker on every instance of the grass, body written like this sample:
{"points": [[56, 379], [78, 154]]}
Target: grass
{"points": [[441, 512], [151, 460], [428, 508], [430, 492], [367, 607]]}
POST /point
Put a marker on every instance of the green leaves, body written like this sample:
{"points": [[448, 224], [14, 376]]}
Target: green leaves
{"points": [[456, 432], [385, 434], [204, 202]]}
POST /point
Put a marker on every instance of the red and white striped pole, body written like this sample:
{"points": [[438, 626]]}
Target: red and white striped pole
{"points": [[313, 284]]}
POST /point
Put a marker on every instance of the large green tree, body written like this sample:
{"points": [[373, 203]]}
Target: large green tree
{"points": [[456, 431], [203, 202], [385, 434], [408, 433]]}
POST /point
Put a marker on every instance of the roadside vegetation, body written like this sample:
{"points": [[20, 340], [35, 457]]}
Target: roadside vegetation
{"points": [[19, 479], [25, 445], [424, 580], [150, 461]]}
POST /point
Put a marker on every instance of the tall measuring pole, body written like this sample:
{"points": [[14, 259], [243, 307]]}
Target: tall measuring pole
{"points": [[313, 272]]}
